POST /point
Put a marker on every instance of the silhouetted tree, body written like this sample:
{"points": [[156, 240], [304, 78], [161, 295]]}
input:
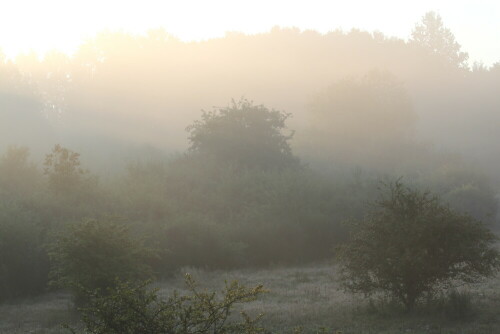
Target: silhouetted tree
{"points": [[245, 134], [439, 40], [412, 244], [62, 166]]}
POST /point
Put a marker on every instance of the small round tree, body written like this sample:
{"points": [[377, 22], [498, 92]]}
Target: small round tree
{"points": [[411, 244], [244, 134]]}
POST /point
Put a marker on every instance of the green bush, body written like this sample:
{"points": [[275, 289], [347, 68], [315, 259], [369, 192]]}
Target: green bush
{"points": [[130, 308], [411, 244], [92, 254]]}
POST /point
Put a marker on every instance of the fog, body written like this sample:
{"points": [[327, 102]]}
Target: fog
{"points": [[358, 101], [360, 92], [141, 156]]}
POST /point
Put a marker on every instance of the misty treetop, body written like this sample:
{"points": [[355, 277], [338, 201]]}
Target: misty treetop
{"points": [[439, 40], [245, 134]]}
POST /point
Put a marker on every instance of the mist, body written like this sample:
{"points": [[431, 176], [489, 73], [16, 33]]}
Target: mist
{"points": [[129, 90], [244, 152]]}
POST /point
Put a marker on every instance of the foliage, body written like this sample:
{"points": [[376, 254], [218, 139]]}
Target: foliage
{"points": [[62, 166], [466, 190], [220, 216], [412, 244], [439, 40], [92, 254], [128, 308], [245, 134]]}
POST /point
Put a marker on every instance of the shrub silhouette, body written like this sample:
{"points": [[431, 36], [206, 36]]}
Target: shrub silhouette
{"points": [[412, 244]]}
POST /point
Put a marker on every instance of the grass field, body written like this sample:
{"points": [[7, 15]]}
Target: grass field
{"points": [[305, 296]]}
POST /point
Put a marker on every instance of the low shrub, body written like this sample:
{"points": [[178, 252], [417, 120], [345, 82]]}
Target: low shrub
{"points": [[129, 308], [92, 254]]}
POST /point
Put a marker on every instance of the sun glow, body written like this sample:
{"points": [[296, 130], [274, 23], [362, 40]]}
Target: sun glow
{"points": [[40, 26]]}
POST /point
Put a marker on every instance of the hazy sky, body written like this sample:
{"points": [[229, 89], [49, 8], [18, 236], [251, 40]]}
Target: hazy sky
{"points": [[63, 24]]}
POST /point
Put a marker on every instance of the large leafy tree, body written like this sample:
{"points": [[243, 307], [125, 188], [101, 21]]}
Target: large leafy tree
{"points": [[439, 40], [244, 134], [411, 244]]}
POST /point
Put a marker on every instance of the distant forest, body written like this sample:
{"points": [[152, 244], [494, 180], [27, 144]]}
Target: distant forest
{"points": [[357, 98]]}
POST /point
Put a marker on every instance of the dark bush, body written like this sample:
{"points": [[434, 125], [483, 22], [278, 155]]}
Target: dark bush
{"points": [[412, 244]]}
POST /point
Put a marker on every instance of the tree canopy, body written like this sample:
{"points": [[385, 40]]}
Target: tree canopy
{"points": [[244, 134]]}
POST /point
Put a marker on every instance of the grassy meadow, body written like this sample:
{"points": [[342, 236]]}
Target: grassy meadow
{"points": [[306, 298]]}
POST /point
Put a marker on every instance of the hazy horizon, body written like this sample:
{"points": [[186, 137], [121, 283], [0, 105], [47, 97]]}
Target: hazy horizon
{"points": [[64, 26]]}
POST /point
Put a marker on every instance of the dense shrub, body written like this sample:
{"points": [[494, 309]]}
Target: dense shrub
{"points": [[207, 214], [94, 253], [412, 244], [128, 308]]}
